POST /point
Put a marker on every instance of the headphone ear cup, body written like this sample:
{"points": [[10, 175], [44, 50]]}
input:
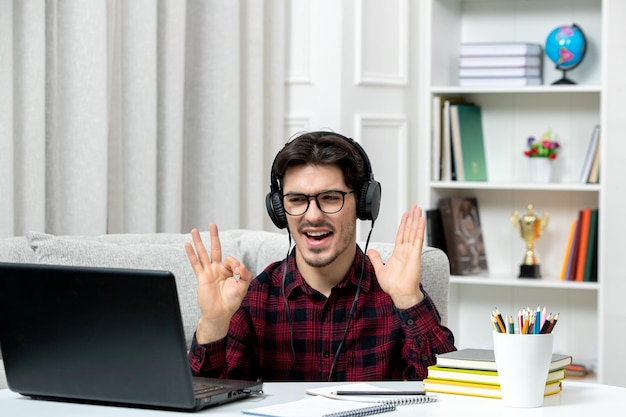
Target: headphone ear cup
{"points": [[369, 201], [276, 210]]}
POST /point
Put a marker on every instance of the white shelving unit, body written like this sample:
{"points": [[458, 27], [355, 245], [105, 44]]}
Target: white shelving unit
{"points": [[510, 116]]}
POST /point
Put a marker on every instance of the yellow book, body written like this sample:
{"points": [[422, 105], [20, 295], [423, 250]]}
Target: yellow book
{"points": [[572, 231], [444, 386], [480, 376]]}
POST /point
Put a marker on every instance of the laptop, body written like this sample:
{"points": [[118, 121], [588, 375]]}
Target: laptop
{"points": [[101, 335]]}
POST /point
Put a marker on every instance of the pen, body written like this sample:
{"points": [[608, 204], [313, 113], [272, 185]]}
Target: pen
{"points": [[378, 393]]}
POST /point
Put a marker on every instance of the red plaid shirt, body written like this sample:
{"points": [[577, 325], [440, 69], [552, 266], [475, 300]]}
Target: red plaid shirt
{"points": [[382, 342]]}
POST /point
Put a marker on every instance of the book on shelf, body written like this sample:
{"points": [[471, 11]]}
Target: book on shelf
{"points": [[435, 237], [478, 390], [484, 359], [504, 61], [368, 393], [437, 107], [500, 72], [441, 140], [577, 370], [500, 48], [570, 272], [568, 250], [581, 257], [591, 262], [463, 235], [500, 81], [592, 149], [594, 174], [467, 142], [480, 376]]}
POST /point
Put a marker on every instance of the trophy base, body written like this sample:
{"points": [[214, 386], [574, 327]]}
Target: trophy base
{"points": [[529, 271]]}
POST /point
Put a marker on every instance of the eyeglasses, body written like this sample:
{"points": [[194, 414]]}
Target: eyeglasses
{"points": [[329, 202]]}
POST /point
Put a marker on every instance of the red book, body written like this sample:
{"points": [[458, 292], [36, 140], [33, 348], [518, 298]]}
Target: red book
{"points": [[582, 248]]}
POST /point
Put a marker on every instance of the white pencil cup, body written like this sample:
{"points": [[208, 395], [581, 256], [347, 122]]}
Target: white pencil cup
{"points": [[523, 361]]}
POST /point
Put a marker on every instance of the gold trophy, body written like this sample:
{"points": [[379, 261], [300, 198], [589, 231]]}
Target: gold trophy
{"points": [[531, 228]]}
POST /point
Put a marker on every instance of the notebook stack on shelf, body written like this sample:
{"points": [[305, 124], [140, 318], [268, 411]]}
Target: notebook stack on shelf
{"points": [[512, 64], [473, 372]]}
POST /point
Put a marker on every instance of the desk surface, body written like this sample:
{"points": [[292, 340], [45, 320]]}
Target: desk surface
{"points": [[576, 399]]}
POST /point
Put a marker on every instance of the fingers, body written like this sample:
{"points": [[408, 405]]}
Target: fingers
{"points": [[216, 247], [411, 229]]}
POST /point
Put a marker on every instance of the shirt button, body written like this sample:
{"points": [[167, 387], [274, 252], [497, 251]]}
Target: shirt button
{"points": [[410, 322], [325, 355], [425, 358]]}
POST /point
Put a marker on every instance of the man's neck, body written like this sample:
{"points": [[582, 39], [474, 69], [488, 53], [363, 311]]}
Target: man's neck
{"points": [[324, 279]]}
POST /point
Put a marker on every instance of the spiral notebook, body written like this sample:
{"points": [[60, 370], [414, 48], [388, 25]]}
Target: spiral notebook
{"points": [[391, 398], [320, 406]]}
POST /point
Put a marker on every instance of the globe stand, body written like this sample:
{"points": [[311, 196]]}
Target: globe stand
{"points": [[564, 80]]}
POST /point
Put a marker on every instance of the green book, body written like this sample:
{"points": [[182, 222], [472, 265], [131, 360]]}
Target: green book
{"points": [[470, 140]]}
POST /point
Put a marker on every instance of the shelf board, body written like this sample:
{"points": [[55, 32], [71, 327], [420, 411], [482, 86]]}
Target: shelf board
{"points": [[527, 186], [522, 282], [545, 89]]}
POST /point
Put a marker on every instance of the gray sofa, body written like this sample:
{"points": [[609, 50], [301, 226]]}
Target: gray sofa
{"points": [[256, 249]]}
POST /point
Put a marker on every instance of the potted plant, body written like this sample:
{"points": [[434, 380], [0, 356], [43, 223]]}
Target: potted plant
{"points": [[541, 153]]}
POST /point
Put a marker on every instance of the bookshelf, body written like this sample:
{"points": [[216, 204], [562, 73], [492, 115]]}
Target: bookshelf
{"points": [[510, 115]]}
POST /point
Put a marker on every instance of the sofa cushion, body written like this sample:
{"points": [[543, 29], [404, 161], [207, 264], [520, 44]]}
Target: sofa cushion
{"points": [[122, 251]]}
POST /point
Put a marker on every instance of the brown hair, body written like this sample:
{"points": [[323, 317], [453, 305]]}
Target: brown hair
{"points": [[323, 148]]}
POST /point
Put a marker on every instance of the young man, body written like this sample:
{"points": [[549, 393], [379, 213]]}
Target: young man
{"points": [[327, 311]]}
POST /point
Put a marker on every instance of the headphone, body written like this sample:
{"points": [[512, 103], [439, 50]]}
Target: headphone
{"points": [[368, 205]]}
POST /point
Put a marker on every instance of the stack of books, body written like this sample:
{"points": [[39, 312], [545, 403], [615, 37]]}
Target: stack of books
{"points": [[580, 262], [501, 64], [473, 372]]}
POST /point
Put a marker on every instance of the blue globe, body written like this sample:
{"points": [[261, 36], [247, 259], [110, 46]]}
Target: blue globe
{"points": [[565, 46]]}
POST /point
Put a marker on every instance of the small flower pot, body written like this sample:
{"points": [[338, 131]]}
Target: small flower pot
{"points": [[540, 169]]}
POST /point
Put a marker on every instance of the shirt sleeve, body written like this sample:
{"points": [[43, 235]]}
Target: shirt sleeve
{"points": [[208, 360], [425, 338], [233, 357]]}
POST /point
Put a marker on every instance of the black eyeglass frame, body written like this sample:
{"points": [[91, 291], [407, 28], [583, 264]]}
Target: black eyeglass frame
{"points": [[317, 202]]}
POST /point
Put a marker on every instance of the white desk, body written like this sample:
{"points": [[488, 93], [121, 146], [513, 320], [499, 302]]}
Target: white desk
{"points": [[577, 399]]}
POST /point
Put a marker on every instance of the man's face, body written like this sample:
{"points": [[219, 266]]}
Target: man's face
{"points": [[321, 238]]}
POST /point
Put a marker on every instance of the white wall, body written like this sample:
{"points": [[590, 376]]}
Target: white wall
{"points": [[348, 70]]}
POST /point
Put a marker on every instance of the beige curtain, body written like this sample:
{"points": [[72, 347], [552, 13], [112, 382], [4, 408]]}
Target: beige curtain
{"points": [[135, 116]]}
